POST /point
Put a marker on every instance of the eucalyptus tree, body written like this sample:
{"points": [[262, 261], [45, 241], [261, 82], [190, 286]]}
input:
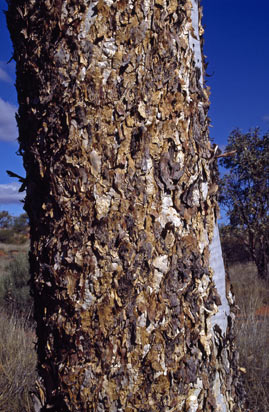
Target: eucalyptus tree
{"points": [[245, 193], [121, 197]]}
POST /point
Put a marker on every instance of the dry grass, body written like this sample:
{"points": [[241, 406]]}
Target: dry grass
{"points": [[250, 291], [252, 333], [8, 247], [14, 286], [17, 351], [8, 251], [17, 364]]}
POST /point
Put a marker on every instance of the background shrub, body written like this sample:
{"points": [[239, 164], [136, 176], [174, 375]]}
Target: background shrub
{"points": [[7, 235], [13, 230], [14, 286]]}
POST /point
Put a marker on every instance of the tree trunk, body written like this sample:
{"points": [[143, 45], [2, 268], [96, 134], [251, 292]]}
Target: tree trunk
{"points": [[121, 196], [262, 261]]}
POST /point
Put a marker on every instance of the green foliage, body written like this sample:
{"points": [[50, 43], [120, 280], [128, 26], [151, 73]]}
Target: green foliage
{"points": [[233, 244], [14, 286], [244, 192], [20, 223], [13, 229], [7, 236], [5, 219]]}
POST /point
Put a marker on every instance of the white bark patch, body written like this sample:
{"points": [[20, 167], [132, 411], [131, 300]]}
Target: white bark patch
{"points": [[82, 74], [102, 206], [221, 406], [130, 4], [89, 298], [142, 110], [205, 341], [217, 265], [142, 320], [106, 74], [203, 242], [95, 159], [222, 311], [192, 403], [196, 197], [109, 47], [105, 201], [168, 213], [157, 278], [180, 155], [90, 17], [192, 398], [146, 349], [194, 39], [204, 187], [150, 187], [61, 55], [88, 376], [146, 6], [146, 10], [161, 263]]}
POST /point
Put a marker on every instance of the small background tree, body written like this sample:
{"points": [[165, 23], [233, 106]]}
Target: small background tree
{"points": [[233, 245], [245, 193], [13, 229], [21, 223], [5, 219]]}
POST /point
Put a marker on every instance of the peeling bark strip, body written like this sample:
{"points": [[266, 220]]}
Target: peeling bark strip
{"points": [[114, 135]]}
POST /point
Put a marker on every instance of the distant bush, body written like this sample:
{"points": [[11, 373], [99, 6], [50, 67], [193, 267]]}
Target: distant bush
{"points": [[7, 235], [14, 286], [10, 236], [21, 223], [13, 229], [17, 364]]}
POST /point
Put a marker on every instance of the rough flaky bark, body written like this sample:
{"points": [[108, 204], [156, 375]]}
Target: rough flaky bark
{"points": [[122, 204]]}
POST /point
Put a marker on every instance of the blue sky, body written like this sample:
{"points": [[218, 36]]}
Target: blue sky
{"points": [[237, 50], [236, 46]]}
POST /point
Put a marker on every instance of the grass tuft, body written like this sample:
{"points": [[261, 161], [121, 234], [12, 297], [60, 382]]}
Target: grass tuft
{"points": [[17, 364]]}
